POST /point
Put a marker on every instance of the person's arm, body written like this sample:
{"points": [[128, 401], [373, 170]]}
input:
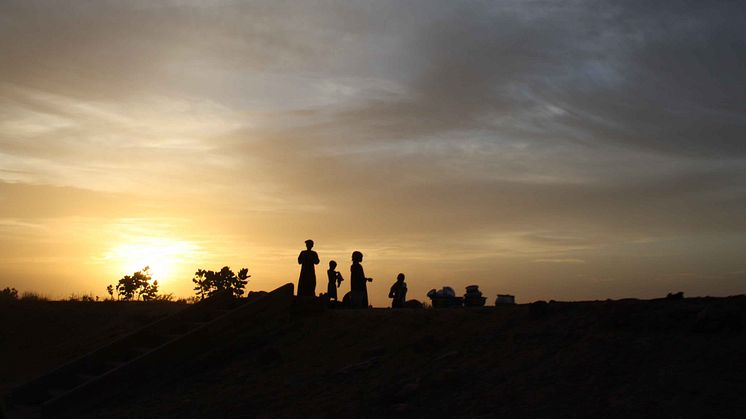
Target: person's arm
{"points": [[300, 258], [391, 291], [315, 258]]}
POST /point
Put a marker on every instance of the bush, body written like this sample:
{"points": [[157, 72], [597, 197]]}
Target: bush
{"points": [[137, 286], [8, 294], [210, 283]]}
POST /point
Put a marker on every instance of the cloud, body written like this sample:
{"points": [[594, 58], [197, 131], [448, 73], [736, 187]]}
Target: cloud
{"points": [[493, 129]]}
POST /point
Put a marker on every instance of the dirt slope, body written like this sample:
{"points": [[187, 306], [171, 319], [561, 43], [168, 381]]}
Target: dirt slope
{"points": [[36, 336], [597, 359]]}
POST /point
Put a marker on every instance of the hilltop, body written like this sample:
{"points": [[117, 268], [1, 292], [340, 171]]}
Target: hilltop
{"points": [[625, 358]]}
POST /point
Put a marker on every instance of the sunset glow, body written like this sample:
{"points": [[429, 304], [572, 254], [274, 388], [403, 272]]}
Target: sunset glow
{"points": [[163, 256]]}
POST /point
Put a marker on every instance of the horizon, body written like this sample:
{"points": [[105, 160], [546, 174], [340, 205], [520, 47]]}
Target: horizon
{"points": [[581, 151]]}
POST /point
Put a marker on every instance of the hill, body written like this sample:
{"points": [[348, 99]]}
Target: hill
{"points": [[624, 358], [36, 336]]}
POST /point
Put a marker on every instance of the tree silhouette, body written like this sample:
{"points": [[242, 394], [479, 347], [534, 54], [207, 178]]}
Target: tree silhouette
{"points": [[209, 283], [137, 285]]}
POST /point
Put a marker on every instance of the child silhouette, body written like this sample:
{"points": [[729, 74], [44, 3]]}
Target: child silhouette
{"points": [[335, 278]]}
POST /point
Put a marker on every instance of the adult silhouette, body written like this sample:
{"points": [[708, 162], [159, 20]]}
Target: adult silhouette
{"points": [[307, 280], [358, 282], [398, 292]]}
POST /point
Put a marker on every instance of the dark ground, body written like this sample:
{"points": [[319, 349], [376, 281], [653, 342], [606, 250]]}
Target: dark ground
{"points": [[661, 359], [36, 336]]}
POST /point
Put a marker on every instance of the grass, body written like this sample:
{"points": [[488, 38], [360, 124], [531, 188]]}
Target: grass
{"points": [[86, 298], [33, 296]]}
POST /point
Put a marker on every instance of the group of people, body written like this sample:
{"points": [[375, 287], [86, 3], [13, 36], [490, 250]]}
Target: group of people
{"points": [[358, 295]]}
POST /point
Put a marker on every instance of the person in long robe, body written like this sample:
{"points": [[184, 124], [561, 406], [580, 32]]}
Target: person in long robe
{"points": [[398, 292], [358, 282], [335, 279], [307, 280]]}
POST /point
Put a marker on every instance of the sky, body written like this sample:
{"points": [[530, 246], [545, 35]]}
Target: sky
{"points": [[550, 150]]}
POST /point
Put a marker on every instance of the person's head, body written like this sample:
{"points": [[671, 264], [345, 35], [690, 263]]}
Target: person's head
{"points": [[332, 264], [357, 256], [309, 244], [400, 277]]}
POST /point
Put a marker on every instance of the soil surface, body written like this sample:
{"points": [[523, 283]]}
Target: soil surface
{"points": [[629, 358], [36, 336]]}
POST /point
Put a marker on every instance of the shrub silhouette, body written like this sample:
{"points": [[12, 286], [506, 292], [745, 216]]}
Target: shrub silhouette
{"points": [[137, 286], [8, 294], [209, 283]]}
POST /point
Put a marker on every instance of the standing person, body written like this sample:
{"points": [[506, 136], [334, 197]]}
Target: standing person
{"points": [[358, 282], [398, 292], [307, 280], [335, 279]]}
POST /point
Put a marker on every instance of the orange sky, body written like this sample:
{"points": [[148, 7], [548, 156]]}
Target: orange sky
{"points": [[567, 153]]}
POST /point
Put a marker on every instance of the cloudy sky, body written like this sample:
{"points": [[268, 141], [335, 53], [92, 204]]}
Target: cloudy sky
{"points": [[566, 150]]}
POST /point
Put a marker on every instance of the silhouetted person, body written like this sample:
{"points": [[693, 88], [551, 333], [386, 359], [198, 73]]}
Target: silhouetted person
{"points": [[398, 292], [307, 281], [358, 282], [335, 279]]}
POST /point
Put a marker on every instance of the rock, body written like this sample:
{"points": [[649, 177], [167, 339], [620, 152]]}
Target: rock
{"points": [[677, 296], [538, 308], [413, 304], [256, 294], [505, 299]]}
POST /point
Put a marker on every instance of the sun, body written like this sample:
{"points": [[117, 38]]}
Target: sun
{"points": [[163, 256]]}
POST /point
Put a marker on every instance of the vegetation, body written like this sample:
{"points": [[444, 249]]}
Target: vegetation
{"points": [[162, 297], [8, 294], [188, 300], [33, 296], [138, 286], [86, 298], [209, 283]]}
